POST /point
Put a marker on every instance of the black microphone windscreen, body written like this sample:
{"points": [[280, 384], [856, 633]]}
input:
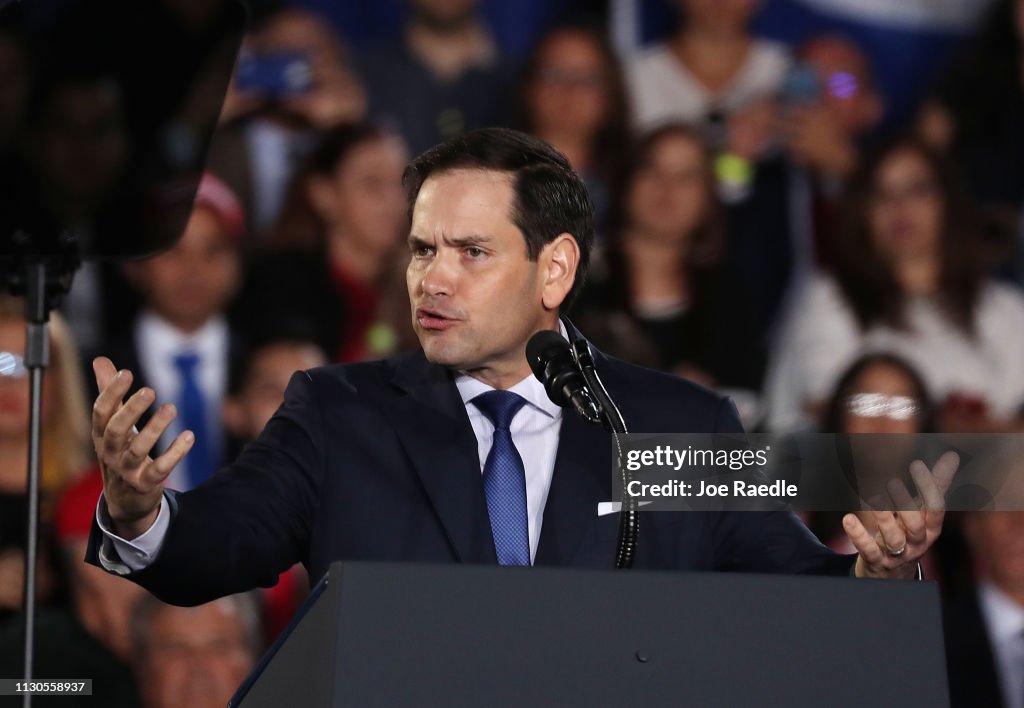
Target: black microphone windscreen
{"points": [[542, 348]]}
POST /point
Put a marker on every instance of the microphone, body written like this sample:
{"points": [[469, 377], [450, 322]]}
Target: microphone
{"points": [[569, 378], [552, 363]]}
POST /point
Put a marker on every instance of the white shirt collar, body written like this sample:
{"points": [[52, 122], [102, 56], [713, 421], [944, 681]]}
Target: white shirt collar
{"points": [[165, 340], [1004, 616], [529, 388]]}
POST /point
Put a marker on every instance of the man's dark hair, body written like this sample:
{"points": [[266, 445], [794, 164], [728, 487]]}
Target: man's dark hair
{"points": [[550, 199]]}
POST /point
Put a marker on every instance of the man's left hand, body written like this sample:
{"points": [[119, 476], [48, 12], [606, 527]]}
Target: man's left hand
{"points": [[902, 537]]}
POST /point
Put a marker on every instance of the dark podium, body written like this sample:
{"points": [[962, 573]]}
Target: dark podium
{"points": [[386, 634]]}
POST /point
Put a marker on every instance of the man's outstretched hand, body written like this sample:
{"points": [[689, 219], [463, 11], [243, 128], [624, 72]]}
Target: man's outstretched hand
{"points": [[132, 479], [902, 537]]}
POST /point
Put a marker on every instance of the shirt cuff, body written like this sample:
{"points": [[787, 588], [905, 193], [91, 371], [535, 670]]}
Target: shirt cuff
{"points": [[919, 576], [120, 556]]}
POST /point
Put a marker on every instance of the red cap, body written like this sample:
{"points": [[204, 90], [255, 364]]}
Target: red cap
{"points": [[76, 507], [219, 198]]}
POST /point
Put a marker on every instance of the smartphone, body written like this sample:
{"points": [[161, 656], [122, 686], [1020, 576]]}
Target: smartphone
{"points": [[275, 75], [802, 85]]}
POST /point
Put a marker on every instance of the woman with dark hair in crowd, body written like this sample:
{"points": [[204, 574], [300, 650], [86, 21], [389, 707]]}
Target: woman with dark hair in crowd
{"points": [[334, 258], [663, 299], [573, 96], [907, 280], [883, 395], [879, 393], [882, 401]]}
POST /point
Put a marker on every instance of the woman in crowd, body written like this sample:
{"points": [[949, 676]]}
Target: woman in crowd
{"points": [[336, 254], [907, 280], [884, 398], [879, 393], [711, 73], [573, 96], [662, 298], [883, 395], [65, 443]]}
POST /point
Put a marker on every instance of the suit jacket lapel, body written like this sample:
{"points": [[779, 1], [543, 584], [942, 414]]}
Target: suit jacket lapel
{"points": [[582, 479], [433, 426]]}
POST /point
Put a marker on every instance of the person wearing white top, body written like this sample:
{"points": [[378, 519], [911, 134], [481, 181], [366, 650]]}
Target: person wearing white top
{"points": [[712, 64], [822, 339], [906, 282]]}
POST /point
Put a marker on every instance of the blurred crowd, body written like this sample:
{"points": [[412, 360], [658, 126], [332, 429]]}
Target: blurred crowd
{"points": [[762, 230]]}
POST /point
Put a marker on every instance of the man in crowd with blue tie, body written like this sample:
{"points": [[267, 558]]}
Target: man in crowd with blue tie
{"points": [[180, 343], [451, 453]]}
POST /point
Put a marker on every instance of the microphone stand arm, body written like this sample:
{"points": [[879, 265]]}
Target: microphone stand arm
{"points": [[629, 520]]}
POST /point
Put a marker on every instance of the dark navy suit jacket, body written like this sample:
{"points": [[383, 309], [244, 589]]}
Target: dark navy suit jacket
{"points": [[378, 461]]}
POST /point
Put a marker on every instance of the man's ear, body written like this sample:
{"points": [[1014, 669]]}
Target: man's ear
{"points": [[558, 262]]}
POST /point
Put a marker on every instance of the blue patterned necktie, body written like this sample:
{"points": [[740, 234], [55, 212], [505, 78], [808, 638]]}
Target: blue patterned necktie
{"points": [[505, 480], [192, 408]]}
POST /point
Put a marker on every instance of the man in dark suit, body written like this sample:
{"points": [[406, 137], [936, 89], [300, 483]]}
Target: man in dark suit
{"points": [[452, 453], [180, 343], [985, 627]]}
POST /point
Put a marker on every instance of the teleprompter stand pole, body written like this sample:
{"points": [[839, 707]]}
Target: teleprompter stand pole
{"points": [[42, 280]]}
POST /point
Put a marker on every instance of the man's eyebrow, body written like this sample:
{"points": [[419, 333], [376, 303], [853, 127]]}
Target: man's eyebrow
{"points": [[468, 240], [459, 242]]}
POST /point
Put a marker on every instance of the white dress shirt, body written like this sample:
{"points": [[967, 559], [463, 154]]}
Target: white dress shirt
{"points": [[157, 343], [1004, 622], [535, 432]]}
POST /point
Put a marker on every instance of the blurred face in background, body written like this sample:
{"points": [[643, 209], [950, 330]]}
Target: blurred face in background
{"points": [[996, 540], [193, 281], [443, 15], [569, 92], [883, 399], [195, 657], [720, 16], [302, 32], [905, 209], [262, 392], [669, 195], [14, 392], [363, 199]]}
